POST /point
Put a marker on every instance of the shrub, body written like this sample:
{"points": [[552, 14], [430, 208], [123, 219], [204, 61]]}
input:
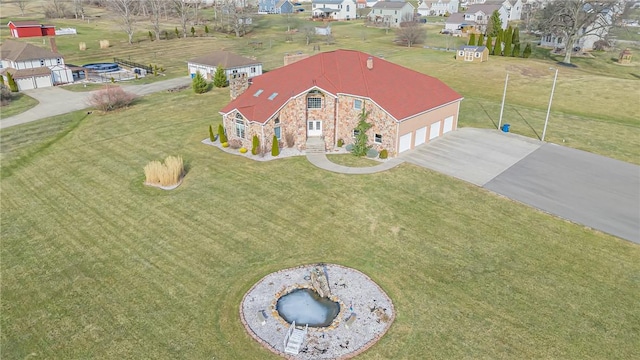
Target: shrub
{"points": [[211, 137], [290, 139], [2, 80], [243, 150], [206, 29], [167, 174], [235, 143], [340, 142], [221, 135], [275, 149], [199, 83], [5, 94], [255, 145], [372, 153], [225, 144], [13, 86], [193, 31], [384, 154], [360, 147], [527, 51], [349, 147], [111, 98]]}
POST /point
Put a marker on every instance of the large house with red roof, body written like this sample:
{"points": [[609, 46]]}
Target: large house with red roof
{"points": [[321, 96]]}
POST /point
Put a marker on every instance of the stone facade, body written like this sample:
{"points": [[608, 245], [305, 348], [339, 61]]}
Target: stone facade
{"points": [[339, 116]]}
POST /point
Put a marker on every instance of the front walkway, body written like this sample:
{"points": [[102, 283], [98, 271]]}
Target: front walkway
{"points": [[321, 161]]}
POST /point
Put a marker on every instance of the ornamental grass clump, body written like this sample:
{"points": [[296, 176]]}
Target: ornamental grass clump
{"points": [[167, 174]]}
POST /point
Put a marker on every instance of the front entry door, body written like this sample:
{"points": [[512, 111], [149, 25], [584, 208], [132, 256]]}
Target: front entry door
{"points": [[314, 128]]}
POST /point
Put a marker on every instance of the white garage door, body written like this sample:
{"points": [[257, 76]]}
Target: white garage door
{"points": [[434, 131], [448, 125], [405, 142], [25, 83], [421, 136], [43, 81]]}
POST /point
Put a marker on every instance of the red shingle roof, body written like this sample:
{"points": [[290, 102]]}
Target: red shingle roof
{"points": [[400, 91]]}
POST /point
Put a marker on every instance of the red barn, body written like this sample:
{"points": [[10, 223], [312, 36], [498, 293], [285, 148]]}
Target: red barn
{"points": [[22, 29]]}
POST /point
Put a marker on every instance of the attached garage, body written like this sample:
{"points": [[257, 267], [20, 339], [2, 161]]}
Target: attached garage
{"points": [[405, 143], [28, 79], [448, 125], [434, 130], [421, 136]]}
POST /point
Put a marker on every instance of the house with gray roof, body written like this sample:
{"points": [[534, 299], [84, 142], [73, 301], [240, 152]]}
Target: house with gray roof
{"points": [[233, 64], [391, 13], [477, 17], [32, 66], [334, 9]]}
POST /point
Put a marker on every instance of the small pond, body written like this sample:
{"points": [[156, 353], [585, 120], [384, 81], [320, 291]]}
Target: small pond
{"points": [[305, 306]]}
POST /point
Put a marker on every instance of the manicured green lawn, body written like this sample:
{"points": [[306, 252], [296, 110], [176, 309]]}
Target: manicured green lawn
{"points": [[96, 265], [19, 104], [353, 161]]}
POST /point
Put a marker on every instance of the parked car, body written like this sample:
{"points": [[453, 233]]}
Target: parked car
{"points": [[299, 10], [297, 4], [445, 32]]}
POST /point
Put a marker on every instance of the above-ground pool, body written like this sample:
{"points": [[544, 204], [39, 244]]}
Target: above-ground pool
{"points": [[102, 67]]}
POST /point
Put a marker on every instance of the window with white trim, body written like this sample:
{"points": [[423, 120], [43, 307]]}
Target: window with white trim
{"points": [[357, 104], [378, 139], [240, 127], [356, 133], [59, 61], [477, 54], [277, 132], [41, 62], [314, 103]]}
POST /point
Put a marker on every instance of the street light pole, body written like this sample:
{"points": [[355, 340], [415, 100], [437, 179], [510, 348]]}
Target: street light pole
{"points": [[504, 95], [553, 88]]}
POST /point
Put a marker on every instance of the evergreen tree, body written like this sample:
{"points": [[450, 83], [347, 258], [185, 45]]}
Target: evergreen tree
{"points": [[489, 45], [193, 31], [211, 137], [275, 147], [177, 32], [507, 42], [199, 83], [221, 136], [1, 80], [495, 24], [497, 48], [206, 29], [220, 77], [255, 142], [527, 51], [516, 51], [515, 38], [480, 40], [360, 147], [12, 83], [150, 36], [472, 39]]}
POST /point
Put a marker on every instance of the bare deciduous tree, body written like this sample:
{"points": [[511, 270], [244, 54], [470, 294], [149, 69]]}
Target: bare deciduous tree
{"points": [[183, 10], [78, 8], [125, 10], [56, 9], [309, 32], [22, 5], [574, 19], [155, 13], [410, 32]]}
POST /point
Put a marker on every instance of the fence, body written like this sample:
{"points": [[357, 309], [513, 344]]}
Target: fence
{"points": [[132, 64]]}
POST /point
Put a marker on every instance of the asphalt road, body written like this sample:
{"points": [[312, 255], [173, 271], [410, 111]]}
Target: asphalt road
{"points": [[56, 100], [586, 188]]}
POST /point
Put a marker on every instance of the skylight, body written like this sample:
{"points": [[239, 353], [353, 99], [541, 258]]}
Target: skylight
{"points": [[258, 93], [273, 96]]}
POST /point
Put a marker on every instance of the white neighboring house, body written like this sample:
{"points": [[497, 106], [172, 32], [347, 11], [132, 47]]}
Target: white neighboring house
{"points": [[477, 16], [513, 7], [391, 13], [438, 7], [232, 64], [334, 9], [32, 67]]}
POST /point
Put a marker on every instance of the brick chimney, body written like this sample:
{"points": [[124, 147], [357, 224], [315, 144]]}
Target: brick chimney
{"points": [[370, 63], [238, 84], [52, 43]]}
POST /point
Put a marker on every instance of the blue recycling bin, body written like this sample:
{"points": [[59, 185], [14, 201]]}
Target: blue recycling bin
{"points": [[505, 127]]}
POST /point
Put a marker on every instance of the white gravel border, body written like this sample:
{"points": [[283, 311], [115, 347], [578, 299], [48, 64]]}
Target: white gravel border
{"points": [[354, 290]]}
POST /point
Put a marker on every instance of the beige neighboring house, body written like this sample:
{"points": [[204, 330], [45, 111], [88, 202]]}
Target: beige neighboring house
{"points": [[232, 63], [391, 13], [31, 66], [320, 97], [471, 53]]}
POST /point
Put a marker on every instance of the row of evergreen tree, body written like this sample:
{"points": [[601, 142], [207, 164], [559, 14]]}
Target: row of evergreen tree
{"points": [[507, 43]]}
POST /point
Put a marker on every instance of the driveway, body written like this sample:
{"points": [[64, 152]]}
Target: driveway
{"points": [[55, 100], [582, 187]]}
